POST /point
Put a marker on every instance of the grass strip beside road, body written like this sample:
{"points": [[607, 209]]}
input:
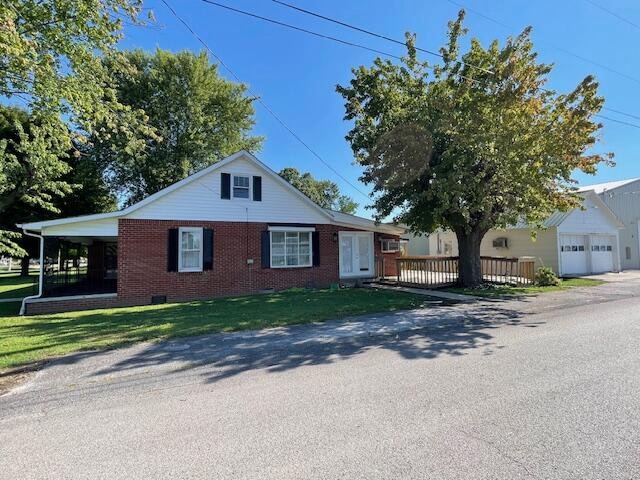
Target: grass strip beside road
{"points": [[24, 340]]}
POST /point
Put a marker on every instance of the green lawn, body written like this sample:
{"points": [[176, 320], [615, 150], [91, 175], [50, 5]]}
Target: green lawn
{"points": [[12, 285], [28, 339], [505, 290]]}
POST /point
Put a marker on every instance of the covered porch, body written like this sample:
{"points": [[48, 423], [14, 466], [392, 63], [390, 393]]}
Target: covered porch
{"points": [[79, 266]]}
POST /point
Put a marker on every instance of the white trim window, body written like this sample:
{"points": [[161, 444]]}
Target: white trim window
{"points": [[190, 249], [290, 249], [241, 186]]}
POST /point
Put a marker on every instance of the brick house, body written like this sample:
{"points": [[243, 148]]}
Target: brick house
{"points": [[234, 228]]}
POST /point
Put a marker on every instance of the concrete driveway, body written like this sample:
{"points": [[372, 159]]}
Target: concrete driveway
{"points": [[545, 389]]}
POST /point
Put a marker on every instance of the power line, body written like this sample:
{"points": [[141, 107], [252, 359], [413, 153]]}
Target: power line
{"points": [[300, 29], [266, 107], [320, 35], [339, 22], [557, 47], [614, 14], [617, 121], [369, 32]]}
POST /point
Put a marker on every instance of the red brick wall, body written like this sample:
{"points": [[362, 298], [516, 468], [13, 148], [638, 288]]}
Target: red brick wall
{"points": [[142, 262]]}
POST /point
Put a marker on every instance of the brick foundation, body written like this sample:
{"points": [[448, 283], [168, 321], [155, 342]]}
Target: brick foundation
{"points": [[56, 306]]}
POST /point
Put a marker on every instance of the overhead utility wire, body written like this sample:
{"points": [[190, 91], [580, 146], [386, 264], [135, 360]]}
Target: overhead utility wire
{"points": [[553, 45], [369, 32], [614, 14], [266, 107], [303, 30], [321, 35], [344, 42], [373, 34]]}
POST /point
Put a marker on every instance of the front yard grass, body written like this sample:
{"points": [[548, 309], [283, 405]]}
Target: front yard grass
{"points": [[506, 290], [24, 340], [12, 285]]}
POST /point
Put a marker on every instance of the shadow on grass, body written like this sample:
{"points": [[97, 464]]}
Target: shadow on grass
{"points": [[24, 339]]}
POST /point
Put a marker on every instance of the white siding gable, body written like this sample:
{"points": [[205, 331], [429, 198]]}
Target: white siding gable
{"points": [[200, 200], [590, 220]]}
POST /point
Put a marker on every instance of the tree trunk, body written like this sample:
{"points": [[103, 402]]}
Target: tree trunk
{"points": [[470, 267], [24, 266]]}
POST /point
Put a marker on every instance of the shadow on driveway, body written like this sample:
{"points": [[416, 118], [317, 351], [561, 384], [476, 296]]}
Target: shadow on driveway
{"points": [[418, 334]]}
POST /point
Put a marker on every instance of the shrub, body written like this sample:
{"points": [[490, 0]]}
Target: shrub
{"points": [[546, 277]]}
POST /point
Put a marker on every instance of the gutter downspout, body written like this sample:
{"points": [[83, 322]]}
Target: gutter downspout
{"points": [[41, 274]]}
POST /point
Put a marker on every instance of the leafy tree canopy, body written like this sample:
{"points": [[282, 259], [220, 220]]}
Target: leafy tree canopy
{"points": [[323, 192], [199, 118], [50, 62], [473, 143], [78, 177]]}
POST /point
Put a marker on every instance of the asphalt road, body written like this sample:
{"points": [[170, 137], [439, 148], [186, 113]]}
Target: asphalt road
{"points": [[495, 391]]}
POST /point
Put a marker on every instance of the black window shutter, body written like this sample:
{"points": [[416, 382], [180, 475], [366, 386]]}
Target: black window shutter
{"points": [[265, 249], [207, 252], [257, 189], [225, 186], [172, 250], [315, 245]]}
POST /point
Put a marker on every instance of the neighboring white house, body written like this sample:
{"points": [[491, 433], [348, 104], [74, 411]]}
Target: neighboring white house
{"points": [[623, 198], [579, 242]]}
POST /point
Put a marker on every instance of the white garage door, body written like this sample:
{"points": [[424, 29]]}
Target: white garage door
{"points": [[601, 253], [574, 254]]}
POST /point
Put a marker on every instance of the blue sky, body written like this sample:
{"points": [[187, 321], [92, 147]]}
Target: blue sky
{"points": [[296, 74]]}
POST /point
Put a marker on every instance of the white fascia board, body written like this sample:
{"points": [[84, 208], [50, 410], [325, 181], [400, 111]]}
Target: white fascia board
{"points": [[38, 226]]}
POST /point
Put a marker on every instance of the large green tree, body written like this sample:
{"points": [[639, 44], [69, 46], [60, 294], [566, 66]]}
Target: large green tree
{"points": [[323, 192], [199, 117], [77, 173], [473, 143], [50, 62]]}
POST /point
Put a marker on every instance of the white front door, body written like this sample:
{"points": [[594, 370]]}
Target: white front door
{"points": [[574, 254], [356, 254]]}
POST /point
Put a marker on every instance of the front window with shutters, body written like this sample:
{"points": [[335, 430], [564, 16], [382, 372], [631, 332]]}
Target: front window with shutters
{"points": [[290, 249], [190, 252]]}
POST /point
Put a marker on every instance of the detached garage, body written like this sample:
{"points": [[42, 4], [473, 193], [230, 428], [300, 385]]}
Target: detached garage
{"points": [[582, 241]]}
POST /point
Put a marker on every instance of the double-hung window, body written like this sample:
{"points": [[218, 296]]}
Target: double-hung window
{"points": [[290, 249], [190, 253], [241, 186]]}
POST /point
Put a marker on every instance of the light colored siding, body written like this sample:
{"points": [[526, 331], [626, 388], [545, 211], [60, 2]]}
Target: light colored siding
{"points": [[625, 203], [417, 245], [521, 244], [200, 200], [544, 249], [590, 220], [107, 227]]}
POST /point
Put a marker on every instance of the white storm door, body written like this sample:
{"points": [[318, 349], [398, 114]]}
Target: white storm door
{"points": [[356, 254]]}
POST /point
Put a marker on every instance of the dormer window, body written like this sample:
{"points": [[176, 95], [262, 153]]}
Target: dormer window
{"points": [[241, 186]]}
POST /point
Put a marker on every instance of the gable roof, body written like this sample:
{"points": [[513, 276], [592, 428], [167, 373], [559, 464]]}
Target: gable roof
{"points": [[556, 218], [603, 187], [332, 216]]}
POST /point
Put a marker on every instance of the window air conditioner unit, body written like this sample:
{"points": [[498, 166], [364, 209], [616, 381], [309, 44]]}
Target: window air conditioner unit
{"points": [[500, 242], [389, 245]]}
